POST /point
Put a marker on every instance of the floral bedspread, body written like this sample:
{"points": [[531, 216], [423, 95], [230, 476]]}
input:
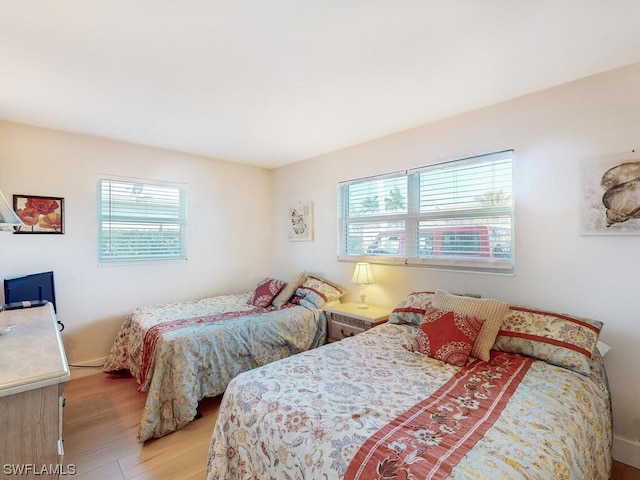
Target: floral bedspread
{"points": [[199, 360], [307, 416]]}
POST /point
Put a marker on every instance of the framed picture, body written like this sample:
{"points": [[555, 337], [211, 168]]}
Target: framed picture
{"points": [[301, 222], [610, 203], [39, 214]]}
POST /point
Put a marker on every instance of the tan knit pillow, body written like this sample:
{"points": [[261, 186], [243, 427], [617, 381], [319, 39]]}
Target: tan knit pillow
{"points": [[287, 292], [490, 311]]}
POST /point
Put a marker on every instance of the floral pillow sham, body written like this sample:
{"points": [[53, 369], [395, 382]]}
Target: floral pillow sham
{"points": [[561, 340], [315, 292], [411, 310]]}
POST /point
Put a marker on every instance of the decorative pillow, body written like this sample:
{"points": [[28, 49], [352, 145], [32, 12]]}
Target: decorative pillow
{"points": [[315, 292], [560, 340], [411, 310], [489, 311], [287, 292], [446, 336], [265, 292]]}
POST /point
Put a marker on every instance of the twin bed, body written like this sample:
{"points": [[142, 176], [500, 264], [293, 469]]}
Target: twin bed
{"points": [[180, 353], [451, 387]]}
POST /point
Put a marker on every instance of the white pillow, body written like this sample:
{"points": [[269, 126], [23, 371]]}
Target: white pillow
{"points": [[603, 348]]}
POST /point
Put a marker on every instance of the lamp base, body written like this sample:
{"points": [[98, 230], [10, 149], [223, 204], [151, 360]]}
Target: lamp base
{"points": [[362, 297]]}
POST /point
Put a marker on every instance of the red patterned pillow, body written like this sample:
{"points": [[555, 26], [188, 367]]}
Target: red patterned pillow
{"points": [[265, 292], [446, 336]]}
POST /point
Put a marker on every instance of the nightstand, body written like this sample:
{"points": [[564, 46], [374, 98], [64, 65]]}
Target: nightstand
{"points": [[346, 319]]}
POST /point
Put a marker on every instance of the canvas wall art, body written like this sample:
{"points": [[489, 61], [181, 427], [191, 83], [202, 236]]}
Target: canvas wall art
{"points": [[611, 195]]}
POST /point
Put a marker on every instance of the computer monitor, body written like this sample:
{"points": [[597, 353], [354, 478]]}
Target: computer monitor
{"points": [[38, 286]]}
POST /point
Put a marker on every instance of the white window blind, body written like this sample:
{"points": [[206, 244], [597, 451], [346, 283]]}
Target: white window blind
{"points": [[141, 221], [454, 215]]}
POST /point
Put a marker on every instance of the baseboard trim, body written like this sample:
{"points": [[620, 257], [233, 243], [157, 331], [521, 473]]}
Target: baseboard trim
{"points": [[88, 367], [626, 451]]}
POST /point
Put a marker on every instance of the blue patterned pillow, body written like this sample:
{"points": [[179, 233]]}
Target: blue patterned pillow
{"points": [[411, 310], [316, 292]]}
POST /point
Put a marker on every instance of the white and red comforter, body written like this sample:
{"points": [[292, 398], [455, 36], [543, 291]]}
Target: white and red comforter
{"points": [[319, 414]]}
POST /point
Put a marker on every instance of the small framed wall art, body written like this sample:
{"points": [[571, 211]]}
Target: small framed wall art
{"points": [[39, 214], [301, 222]]}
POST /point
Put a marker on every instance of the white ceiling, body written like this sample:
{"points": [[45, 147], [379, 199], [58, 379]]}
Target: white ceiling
{"points": [[271, 82]]}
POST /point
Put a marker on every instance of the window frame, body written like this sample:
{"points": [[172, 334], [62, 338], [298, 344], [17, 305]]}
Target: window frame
{"points": [[139, 219], [498, 261]]}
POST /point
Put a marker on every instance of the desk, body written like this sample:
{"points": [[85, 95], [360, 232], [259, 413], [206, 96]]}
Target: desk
{"points": [[33, 372]]}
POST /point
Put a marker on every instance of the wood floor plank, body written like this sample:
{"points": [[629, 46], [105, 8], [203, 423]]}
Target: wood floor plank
{"points": [[185, 465], [110, 471], [101, 421], [100, 426], [101, 454]]}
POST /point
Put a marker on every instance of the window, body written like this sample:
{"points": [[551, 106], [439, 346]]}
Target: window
{"points": [[141, 221], [453, 215]]}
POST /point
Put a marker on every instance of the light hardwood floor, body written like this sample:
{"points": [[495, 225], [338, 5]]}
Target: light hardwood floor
{"points": [[101, 420]]}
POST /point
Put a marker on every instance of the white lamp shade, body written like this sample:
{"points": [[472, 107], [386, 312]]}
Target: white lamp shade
{"points": [[7, 216], [362, 274]]}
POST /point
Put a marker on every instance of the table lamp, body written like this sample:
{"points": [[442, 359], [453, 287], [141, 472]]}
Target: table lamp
{"points": [[362, 276]]}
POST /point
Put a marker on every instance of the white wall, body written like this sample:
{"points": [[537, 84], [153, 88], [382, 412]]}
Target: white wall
{"points": [[224, 198], [556, 268]]}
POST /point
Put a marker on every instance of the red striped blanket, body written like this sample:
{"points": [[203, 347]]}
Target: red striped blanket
{"points": [[153, 334], [430, 438]]}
